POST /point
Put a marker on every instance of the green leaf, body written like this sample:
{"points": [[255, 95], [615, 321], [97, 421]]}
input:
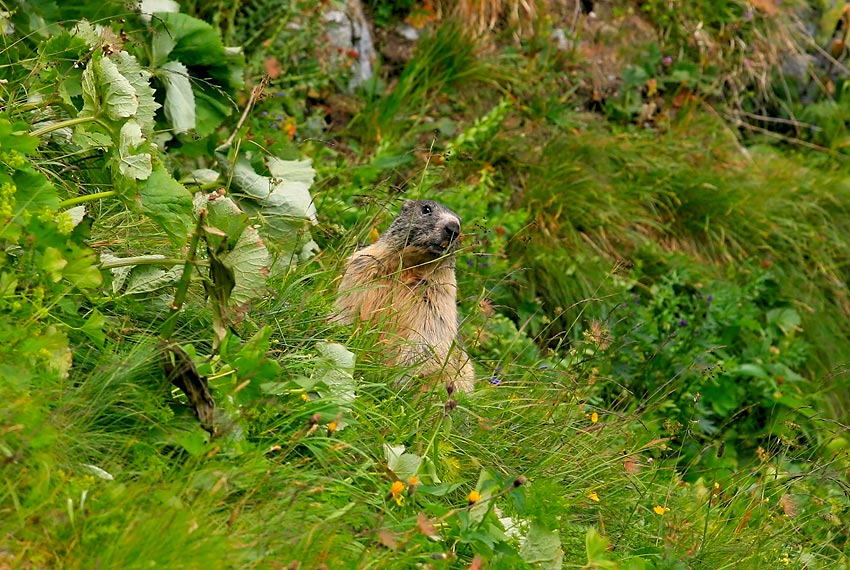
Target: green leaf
{"points": [[93, 328], [148, 278], [140, 79], [82, 269], [137, 166], [188, 39], [336, 371], [179, 99], [750, 370], [224, 215], [211, 109], [404, 465], [168, 203], [105, 89], [786, 320], [118, 87], [34, 192], [542, 547], [486, 486], [283, 200], [53, 262], [248, 262], [596, 546]]}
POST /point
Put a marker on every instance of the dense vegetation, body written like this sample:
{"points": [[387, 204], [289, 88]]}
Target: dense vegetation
{"points": [[653, 282]]}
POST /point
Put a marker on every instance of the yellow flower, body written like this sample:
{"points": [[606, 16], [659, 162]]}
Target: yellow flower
{"points": [[474, 496], [305, 397], [593, 497], [396, 490], [659, 510], [331, 427], [594, 417], [413, 481]]}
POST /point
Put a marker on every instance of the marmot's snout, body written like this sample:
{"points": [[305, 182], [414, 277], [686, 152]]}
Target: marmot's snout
{"points": [[451, 233]]}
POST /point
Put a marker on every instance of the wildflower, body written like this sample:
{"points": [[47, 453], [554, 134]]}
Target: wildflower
{"points": [[543, 367], [748, 15], [495, 381], [593, 496], [413, 481], [594, 417], [666, 60], [396, 490], [520, 481], [305, 397], [683, 323], [659, 510], [474, 497], [331, 427]]}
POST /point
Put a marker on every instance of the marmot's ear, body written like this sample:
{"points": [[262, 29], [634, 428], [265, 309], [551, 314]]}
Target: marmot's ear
{"points": [[406, 205]]}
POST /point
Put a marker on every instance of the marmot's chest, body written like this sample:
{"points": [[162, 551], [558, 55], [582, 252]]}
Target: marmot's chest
{"points": [[426, 305]]}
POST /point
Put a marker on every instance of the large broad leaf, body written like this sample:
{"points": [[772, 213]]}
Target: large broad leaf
{"points": [[404, 465], [34, 192], [249, 263], [179, 100], [596, 546], [336, 371], [139, 78], [196, 43], [168, 203], [211, 109], [131, 163], [106, 90], [118, 87], [542, 548], [283, 201]]}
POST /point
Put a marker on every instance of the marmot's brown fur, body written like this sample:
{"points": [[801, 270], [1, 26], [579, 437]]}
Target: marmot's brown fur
{"points": [[405, 284]]}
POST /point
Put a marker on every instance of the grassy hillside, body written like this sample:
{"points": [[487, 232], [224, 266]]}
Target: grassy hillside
{"points": [[653, 284]]}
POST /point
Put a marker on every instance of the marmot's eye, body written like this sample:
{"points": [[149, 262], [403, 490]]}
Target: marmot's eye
{"points": [[426, 209]]}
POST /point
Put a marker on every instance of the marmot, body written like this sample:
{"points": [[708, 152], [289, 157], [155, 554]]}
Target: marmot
{"points": [[405, 284]]}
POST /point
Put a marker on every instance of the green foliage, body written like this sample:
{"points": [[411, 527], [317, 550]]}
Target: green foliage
{"points": [[723, 359]]}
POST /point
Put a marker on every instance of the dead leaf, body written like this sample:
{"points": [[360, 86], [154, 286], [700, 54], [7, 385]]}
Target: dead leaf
{"points": [[388, 538], [789, 507], [426, 527], [272, 67], [181, 371]]}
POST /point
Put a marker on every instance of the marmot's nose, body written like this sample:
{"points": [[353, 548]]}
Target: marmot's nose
{"points": [[451, 230]]}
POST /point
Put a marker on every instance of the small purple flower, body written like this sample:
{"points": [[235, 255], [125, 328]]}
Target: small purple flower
{"points": [[748, 15], [636, 299], [667, 60], [683, 323], [543, 367], [708, 300], [495, 381]]}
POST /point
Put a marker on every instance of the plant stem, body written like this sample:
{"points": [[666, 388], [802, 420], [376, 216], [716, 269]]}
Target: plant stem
{"points": [[141, 260], [70, 202], [62, 125], [183, 284]]}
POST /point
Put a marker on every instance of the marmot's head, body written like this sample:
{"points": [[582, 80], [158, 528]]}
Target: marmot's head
{"points": [[424, 228]]}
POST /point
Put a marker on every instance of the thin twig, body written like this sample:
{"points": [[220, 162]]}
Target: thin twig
{"points": [[256, 91]]}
